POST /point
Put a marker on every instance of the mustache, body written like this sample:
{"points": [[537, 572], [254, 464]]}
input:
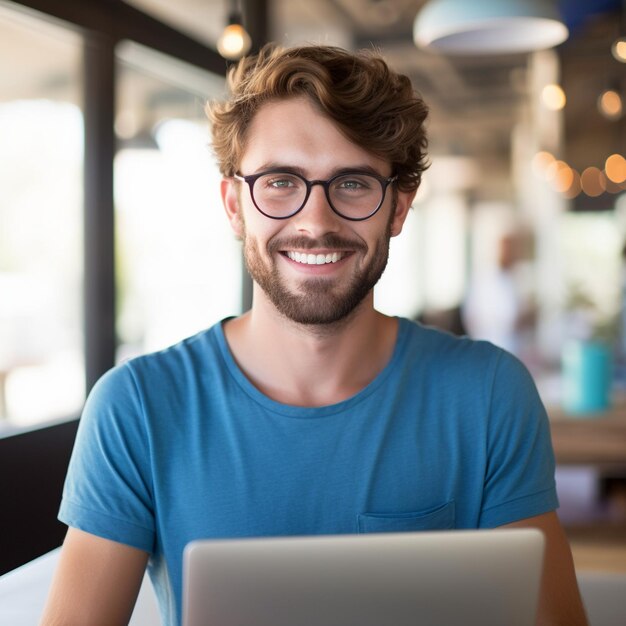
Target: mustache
{"points": [[330, 240]]}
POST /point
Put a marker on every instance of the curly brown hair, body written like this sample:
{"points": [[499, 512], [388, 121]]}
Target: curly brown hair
{"points": [[372, 105]]}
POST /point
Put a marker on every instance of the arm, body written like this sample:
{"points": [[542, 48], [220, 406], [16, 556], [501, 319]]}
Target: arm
{"points": [[97, 582], [560, 603]]}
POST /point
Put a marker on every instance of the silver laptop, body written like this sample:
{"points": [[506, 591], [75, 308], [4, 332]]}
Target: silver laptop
{"points": [[443, 578]]}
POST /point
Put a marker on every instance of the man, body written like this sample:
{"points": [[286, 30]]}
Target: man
{"points": [[312, 413]]}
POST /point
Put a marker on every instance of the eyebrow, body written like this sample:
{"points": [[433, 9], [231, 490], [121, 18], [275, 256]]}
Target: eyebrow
{"points": [[275, 166]]}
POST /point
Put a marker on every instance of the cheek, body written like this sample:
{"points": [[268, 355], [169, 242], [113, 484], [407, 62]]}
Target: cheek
{"points": [[379, 231], [258, 228]]}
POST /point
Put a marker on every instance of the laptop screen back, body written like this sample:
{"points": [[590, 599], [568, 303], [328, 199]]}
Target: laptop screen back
{"points": [[477, 577]]}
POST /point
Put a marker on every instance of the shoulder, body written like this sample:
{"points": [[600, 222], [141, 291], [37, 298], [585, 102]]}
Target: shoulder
{"points": [[458, 362], [175, 362], [156, 374], [442, 349]]}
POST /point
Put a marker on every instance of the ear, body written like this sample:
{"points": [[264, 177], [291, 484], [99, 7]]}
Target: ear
{"points": [[230, 200], [403, 204]]}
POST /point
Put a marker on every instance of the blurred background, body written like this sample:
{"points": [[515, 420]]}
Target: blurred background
{"points": [[113, 241]]}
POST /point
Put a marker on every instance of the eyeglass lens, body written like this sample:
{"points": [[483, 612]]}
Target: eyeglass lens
{"points": [[353, 195]]}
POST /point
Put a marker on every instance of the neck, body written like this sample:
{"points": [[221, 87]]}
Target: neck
{"points": [[311, 365]]}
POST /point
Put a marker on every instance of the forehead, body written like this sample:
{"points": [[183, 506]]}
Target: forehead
{"points": [[295, 132]]}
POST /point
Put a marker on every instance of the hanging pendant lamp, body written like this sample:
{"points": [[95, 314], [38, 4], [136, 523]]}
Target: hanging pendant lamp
{"points": [[234, 42], [619, 45], [488, 26]]}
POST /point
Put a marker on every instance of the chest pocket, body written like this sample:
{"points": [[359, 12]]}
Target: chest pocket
{"points": [[439, 518]]}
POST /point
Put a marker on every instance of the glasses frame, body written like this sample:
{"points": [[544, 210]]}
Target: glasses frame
{"points": [[252, 178]]}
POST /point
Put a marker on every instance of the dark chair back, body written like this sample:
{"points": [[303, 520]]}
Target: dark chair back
{"points": [[32, 470]]}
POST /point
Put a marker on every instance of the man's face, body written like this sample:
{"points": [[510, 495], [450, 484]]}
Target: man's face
{"points": [[295, 135]]}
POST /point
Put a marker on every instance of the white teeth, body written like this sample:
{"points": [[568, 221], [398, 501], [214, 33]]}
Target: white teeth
{"points": [[314, 259]]}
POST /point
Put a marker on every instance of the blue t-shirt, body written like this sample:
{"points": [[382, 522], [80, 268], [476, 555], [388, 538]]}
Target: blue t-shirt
{"points": [[179, 445]]}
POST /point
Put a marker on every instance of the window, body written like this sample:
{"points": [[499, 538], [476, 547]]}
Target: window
{"points": [[178, 265], [591, 275], [41, 201]]}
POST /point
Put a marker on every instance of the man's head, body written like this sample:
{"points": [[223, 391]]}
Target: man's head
{"points": [[351, 128], [373, 106]]}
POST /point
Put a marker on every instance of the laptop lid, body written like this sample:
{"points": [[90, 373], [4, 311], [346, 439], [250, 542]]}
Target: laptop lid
{"points": [[443, 578]]}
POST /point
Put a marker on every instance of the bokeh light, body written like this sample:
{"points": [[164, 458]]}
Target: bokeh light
{"points": [[553, 97], [610, 104], [540, 163], [593, 182], [615, 168], [552, 171], [619, 49], [575, 187], [563, 179]]}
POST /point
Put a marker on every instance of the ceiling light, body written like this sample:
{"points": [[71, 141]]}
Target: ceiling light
{"points": [[619, 49], [234, 42], [488, 26]]}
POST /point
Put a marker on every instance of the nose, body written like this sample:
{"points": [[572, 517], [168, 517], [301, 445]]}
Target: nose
{"points": [[317, 217]]}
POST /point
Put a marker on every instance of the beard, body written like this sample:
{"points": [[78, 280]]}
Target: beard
{"points": [[316, 301]]}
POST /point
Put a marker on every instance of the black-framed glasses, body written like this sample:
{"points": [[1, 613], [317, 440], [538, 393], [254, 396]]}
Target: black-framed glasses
{"points": [[353, 195]]}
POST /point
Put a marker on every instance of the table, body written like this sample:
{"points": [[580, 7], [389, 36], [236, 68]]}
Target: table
{"points": [[23, 594], [595, 439]]}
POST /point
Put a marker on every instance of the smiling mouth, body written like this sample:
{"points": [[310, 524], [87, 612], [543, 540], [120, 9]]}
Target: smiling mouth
{"points": [[315, 259]]}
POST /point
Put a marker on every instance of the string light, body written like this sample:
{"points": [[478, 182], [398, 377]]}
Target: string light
{"points": [[563, 179], [610, 104], [540, 163], [593, 181], [615, 168], [552, 171], [575, 187]]}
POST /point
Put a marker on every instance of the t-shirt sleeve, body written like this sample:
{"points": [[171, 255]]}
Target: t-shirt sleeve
{"points": [[108, 489], [519, 479]]}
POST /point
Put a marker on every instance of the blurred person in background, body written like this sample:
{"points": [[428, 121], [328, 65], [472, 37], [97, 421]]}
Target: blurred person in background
{"points": [[498, 307]]}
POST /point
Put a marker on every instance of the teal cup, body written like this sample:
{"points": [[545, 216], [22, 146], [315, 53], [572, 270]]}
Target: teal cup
{"points": [[587, 376]]}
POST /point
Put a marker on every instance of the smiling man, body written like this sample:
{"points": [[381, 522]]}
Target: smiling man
{"points": [[312, 413]]}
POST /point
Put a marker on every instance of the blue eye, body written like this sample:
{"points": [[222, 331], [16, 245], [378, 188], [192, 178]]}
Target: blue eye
{"points": [[350, 184], [353, 183], [279, 181]]}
